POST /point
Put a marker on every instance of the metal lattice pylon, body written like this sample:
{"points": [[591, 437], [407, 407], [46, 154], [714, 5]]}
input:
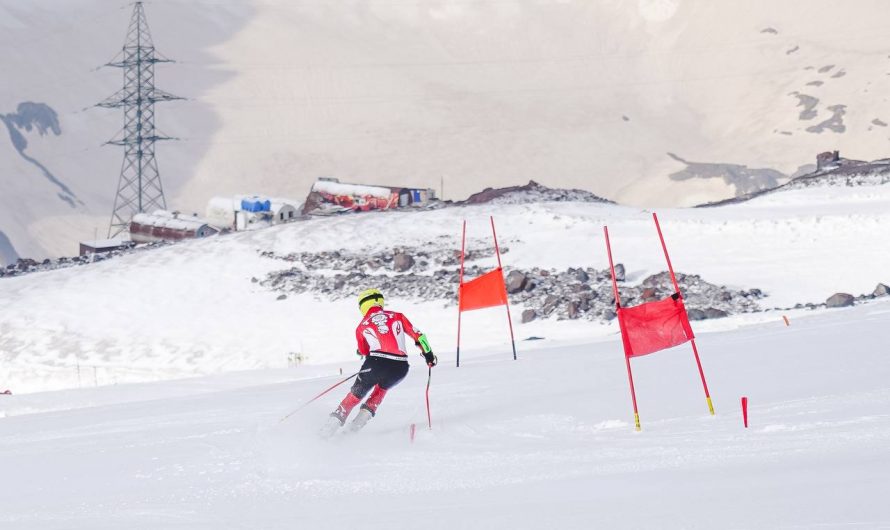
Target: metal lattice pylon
{"points": [[139, 188]]}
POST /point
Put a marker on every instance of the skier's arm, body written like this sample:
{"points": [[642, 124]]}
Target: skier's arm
{"points": [[420, 341], [423, 344]]}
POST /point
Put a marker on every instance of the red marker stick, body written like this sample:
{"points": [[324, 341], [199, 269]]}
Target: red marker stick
{"points": [[745, 410], [411, 431]]}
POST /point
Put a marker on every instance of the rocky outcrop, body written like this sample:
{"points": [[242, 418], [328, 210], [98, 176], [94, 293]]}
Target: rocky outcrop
{"points": [[619, 272], [840, 300], [27, 265], [402, 262], [531, 192], [573, 293], [515, 282]]}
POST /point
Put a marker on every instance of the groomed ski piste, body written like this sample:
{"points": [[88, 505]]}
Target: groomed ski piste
{"points": [[546, 441]]}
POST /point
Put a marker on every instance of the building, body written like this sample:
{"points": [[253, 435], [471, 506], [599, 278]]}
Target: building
{"points": [[357, 197], [167, 226], [221, 212], [329, 195], [249, 212], [282, 212], [415, 196], [102, 246]]}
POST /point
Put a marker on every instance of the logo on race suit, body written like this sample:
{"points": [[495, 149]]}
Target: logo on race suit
{"points": [[379, 320]]}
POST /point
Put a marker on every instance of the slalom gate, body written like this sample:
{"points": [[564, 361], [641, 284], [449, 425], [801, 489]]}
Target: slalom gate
{"points": [[488, 290], [653, 326]]}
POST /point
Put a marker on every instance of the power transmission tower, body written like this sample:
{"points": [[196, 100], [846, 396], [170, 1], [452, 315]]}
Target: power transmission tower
{"points": [[139, 188]]}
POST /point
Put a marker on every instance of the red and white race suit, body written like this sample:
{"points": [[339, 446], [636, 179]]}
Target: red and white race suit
{"points": [[382, 334]]}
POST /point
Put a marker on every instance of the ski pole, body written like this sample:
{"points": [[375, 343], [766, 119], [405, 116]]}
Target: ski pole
{"points": [[429, 418], [335, 385]]}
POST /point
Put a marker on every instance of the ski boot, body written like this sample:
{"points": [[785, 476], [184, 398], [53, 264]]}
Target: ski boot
{"points": [[335, 421], [361, 419]]}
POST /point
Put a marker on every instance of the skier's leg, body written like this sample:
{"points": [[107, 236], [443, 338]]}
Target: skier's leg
{"points": [[345, 407], [374, 400], [363, 383], [388, 374], [368, 409]]}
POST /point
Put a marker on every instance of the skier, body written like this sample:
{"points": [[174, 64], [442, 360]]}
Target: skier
{"points": [[381, 340]]}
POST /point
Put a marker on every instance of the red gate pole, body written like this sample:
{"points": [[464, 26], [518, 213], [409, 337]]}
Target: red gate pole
{"points": [[666, 257], [701, 372], [497, 251], [460, 286], [630, 377]]}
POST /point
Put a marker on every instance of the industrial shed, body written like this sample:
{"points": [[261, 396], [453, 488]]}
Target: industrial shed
{"points": [[243, 212], [329, 195], [221, 212], [102, 246], [166, 226], [282, 212]]}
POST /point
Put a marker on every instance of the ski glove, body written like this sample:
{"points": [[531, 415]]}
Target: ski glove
{"points": [[430, 359]]}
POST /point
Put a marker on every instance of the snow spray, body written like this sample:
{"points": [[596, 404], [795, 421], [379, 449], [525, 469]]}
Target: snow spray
{"points": [[745, 410]]}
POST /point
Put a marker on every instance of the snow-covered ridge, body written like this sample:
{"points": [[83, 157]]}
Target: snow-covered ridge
{"points": [[838, 172]]}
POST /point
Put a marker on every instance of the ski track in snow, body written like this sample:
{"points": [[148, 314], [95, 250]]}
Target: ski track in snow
{"points": [[543, 442]]}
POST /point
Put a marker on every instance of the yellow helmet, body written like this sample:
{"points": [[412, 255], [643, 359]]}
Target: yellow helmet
{"points": [[368, 299]]}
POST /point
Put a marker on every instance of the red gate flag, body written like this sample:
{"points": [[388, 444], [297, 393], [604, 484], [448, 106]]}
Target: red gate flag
{"points": [[653, 326], [487, 290]]}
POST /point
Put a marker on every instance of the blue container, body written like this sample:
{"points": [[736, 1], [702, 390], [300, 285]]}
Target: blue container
{"points": [[255, 205]]}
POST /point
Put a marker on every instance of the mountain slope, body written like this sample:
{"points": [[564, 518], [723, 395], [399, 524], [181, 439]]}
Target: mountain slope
{"points": [[199, 307], [626, 99]]}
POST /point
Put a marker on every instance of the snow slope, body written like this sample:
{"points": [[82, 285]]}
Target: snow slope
{"points": [[192, 308], [611, 97], [543, 442]]}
